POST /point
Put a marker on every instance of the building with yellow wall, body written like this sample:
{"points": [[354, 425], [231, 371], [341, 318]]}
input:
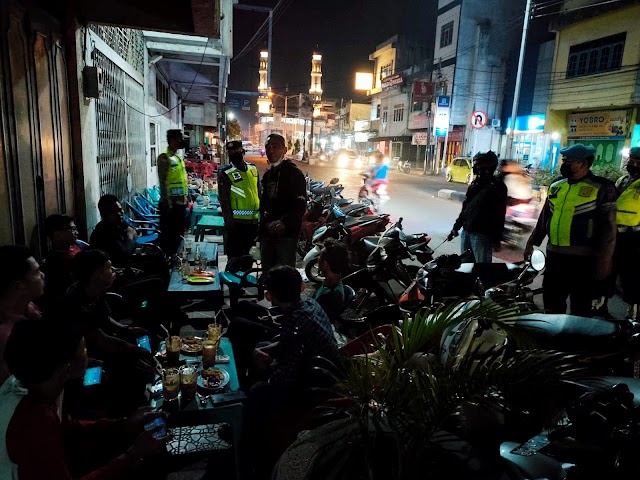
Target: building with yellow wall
{"points": [[594, 88]]}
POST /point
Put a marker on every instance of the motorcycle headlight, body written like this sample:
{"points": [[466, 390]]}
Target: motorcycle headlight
{"points": [[343, 161], [386, 160], [323, 157]]}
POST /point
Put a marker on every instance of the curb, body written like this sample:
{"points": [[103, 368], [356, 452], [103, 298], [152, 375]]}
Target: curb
{"points": [[451, 195]]}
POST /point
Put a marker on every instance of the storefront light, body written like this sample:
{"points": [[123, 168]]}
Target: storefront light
{"points": [[625, 151]]}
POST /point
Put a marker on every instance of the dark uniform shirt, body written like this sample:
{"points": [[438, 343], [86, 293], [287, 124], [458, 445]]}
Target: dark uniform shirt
{"points": [[284, 198]]}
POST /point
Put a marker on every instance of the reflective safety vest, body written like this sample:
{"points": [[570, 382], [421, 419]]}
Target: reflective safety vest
{"points": [[628, 204], [573, 210], [176, 176], [244, 192]]}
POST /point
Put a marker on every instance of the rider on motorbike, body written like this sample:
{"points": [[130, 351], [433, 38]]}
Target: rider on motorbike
{"points": [[376, 174], [517, 182]]}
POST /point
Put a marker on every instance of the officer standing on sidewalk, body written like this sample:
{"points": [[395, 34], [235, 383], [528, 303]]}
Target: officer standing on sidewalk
{"points": [[579, 217], [239, 196], [627, 254]]}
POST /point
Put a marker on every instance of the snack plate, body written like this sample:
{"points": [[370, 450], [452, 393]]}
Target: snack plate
{"points": [[217, 385], [199, 280]]}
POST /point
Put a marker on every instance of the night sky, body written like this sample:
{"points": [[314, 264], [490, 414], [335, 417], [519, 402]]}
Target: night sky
{"points": [[344, 31]]}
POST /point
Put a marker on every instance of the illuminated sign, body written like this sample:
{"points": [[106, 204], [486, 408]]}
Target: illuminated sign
{"points": [[528, 124], [364, 81], [361, 125], [608, 123], [392, 81]]}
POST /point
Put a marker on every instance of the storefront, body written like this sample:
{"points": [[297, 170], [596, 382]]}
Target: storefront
{"points": [[531, 146], [453, 143], [604, 130]]}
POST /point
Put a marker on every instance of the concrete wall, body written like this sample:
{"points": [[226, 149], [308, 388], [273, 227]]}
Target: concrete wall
{"points": [[441, 54], [392, 128]]}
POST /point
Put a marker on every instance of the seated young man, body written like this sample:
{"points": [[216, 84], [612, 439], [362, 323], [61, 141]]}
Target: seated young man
{"points": [[287, 364], [333, 262], [21, 284], [113, 236], [36, 441], [86, 311], [57, 265]]}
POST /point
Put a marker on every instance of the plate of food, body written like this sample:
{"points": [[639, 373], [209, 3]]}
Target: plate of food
{"points": [[213, 378], [200, 280], [191, 345], [202, 273]]}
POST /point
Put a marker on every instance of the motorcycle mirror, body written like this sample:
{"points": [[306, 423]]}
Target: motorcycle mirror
{"points": [[538, 260], [334, 180]]}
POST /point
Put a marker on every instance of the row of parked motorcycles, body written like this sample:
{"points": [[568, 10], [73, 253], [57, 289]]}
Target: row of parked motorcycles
{"points": [[395, 275]]}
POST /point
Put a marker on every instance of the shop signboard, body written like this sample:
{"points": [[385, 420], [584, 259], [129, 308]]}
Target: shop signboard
{"points": [[422, 92], [392, 81], [419, 121], [419, 138], [606, 123], [361, 125]]}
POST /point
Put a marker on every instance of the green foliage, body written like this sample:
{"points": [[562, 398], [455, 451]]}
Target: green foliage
{"points": [[607, 171], [234, 130], [289, 143], [407, 400], [544, 177], [296, 146]]}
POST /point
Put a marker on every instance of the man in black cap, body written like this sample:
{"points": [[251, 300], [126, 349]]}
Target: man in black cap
{"points": [[284, 202], [579, 217], [239, 196], [483, 210]]}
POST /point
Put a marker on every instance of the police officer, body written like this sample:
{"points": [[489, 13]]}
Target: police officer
{"points": [[579, 217], [239, 195], [172, 176], [627, 254]]}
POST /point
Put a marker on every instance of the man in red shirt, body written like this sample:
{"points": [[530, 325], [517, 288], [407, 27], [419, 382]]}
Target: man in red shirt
{"points": [[34, 437]]}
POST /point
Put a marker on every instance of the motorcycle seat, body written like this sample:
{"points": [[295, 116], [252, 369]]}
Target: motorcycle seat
{"points": [[342, 202], [370, 243], [351, 221], [324, 190], [570, 332], [414, 238], [491, 274]]}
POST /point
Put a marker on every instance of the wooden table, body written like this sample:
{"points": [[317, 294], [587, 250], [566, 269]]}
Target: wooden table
{"points": [[210, 292], [224, 406]]}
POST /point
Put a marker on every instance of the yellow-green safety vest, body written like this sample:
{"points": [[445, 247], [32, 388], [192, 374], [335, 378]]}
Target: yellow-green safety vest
{"points": [[573, 210], [628, 205], [245, 202], [176, 176]]}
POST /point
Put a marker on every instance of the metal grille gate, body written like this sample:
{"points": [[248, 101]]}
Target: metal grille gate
{"points": [[120, 131]]}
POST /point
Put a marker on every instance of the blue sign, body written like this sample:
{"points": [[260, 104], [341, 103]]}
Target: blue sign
{"points": [[444, 101], [529, 123], [233, 103], [441, 132], [246, 104]]}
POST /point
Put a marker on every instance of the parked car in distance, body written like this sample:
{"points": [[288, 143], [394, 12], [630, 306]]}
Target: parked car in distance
{"points": [[459, 170]]}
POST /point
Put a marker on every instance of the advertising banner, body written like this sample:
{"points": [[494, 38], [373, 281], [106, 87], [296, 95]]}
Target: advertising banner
{"points": [[422, 92], [607, 123]]}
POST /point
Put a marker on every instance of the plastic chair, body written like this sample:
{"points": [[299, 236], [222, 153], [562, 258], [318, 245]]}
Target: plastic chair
{"points": [[237, 277], [82, 244], [141, 215], [145, 205], [148, 231]]}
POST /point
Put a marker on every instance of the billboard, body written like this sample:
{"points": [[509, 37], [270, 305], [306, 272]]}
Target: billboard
{"points": [[305, 106], [422, 92], [607, 123]]}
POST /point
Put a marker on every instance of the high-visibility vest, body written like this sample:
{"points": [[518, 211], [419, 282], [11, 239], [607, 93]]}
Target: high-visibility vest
{"points": [[245, 202], [573, 211], [176, 176], [628, 205]]}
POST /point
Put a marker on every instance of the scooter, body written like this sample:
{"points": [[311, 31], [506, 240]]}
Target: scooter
{"points": [[372, 192], [403, 165]]}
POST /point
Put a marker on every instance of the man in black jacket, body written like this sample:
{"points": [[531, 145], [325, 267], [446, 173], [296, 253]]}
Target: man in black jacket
{"points": [[483, 210], [283, 204]]}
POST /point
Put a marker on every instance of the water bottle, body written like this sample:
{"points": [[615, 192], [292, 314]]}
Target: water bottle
{"points": [[196, 256]]}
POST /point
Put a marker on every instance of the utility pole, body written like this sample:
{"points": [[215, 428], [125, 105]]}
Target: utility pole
{"points": [[516, 93]]}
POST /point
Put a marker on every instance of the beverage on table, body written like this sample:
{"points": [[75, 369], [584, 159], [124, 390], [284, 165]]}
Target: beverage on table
{"points": [[209, 352], [173, 350], [214, 331], [188, 381], [170, 383], [186, 269], [188, 245]]}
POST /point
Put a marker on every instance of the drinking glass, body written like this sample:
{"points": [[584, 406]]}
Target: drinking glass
{"points": [[214, 331], [173, 350], [188, 245], [170, 384], [188, 381], [186, 270], [204, 262], [209, 352]]}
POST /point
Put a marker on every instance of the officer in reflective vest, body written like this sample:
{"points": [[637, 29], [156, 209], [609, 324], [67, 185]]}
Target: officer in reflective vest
{"points": [[626, 260], [239, 196], [579, 217], [172, 177]]}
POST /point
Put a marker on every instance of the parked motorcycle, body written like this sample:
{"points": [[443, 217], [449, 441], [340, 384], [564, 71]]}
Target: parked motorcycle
{"points": [[349, 230], [403, 165]]}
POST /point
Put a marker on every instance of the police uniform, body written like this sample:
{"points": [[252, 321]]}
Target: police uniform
{"points": [[173, 204], [627, 255], [239, 196], [579, 219]]}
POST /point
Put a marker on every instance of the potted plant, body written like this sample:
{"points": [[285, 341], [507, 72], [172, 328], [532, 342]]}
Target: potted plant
{"points": [[407, 411]]}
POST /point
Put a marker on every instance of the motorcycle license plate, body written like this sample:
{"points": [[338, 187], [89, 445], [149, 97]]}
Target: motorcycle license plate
{"points": [[532, 446]]}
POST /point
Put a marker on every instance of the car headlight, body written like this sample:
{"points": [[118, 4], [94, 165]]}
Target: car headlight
{"points": [[386, 160], [343, 160], [323, 157]]}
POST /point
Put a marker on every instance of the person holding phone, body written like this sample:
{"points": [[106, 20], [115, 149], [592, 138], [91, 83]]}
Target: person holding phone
{"points": [[35, 438]]}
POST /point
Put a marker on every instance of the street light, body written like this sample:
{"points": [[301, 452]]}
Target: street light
{"points": [[230, 115]]}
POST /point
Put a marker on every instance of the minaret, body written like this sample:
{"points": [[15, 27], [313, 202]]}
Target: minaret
{"points": [[316, 77], [264, 102]]}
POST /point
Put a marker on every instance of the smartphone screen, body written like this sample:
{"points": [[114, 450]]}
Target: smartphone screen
{"points": [[92, 376], [143, 342], [158, 422]]}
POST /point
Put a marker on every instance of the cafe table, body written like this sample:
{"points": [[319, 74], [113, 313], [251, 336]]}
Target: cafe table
{"points": [[202, 211], [195, 421], [207, 249], [183, 291]]}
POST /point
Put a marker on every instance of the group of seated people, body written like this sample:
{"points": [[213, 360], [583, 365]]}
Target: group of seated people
{"points": [[55, 320]]}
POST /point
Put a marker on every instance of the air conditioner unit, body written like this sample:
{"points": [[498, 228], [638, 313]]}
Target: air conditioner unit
{"points": [[495, 122]]}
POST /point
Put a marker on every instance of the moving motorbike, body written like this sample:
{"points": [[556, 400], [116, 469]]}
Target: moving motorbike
{"points": [[403, 165], [372, 192]]}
